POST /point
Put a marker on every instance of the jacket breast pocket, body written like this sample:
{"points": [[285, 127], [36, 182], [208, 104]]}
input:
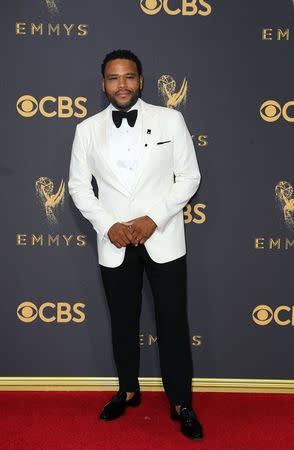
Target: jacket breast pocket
{"points": [[163, 150]]}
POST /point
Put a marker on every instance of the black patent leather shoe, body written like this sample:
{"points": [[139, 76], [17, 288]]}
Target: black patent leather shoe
{"points": [[118, 404], [190, 425]]}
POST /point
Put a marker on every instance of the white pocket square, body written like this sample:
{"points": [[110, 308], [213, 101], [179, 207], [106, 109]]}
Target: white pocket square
{"points": [[163, 142]]}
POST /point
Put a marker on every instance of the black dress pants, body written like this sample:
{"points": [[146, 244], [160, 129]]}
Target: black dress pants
{"points": [[123, 289]]}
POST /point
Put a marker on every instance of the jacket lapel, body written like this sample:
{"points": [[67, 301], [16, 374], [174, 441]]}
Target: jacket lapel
{"points": [[103, 145], [147, 140]]}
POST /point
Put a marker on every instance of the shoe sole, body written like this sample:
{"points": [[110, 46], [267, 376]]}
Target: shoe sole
{"points": [[134, 404], [194, 438]]}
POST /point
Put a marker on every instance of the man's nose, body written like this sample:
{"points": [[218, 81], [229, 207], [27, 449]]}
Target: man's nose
{"points": [[121, 82]]}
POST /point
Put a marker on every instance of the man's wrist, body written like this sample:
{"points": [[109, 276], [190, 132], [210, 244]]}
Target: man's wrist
{"points": [[106, 235], [152, 220]]}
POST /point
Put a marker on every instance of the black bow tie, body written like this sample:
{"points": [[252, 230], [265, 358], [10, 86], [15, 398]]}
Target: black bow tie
{"points": [[131, 116]]}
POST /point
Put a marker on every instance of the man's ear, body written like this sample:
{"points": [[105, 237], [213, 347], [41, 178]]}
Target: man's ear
{"points": [[141, 82], [102, 85]]}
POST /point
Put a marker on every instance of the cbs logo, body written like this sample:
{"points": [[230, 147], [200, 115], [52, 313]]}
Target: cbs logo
{"points": [[271, 111], [63, 107], [60, 312], [189, 7], [283, 315]]}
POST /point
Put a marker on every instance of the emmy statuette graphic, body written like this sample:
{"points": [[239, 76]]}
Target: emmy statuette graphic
{"points": [[284, 192], [167, 89], [49, 200]]}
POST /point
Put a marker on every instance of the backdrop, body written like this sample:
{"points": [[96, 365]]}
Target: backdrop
{"points": [[228, 67]]}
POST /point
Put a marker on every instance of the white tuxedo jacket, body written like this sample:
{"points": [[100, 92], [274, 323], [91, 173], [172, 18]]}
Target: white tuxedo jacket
{"points": [[167, 177]]}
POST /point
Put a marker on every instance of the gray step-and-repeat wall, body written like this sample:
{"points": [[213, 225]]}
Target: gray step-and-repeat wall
{"points": [[228, 67]]}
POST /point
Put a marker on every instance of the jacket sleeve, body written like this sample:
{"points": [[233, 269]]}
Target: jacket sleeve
{"points": [[81, 190], [187, 176]]}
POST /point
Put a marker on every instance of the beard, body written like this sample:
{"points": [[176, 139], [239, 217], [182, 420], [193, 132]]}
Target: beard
{"points": [[121, 105]]}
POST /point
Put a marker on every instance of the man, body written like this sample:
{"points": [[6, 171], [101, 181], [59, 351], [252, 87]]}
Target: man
{"points": [[144, 162]]}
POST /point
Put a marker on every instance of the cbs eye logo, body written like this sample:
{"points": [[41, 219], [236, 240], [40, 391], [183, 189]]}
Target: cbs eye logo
{"points": [[63, 107], [60, 312], [282, 315], [262, 315], [188, 7], [271, 111]]}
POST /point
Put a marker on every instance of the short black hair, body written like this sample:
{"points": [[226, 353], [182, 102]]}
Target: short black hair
{"points": [[121, 54]]}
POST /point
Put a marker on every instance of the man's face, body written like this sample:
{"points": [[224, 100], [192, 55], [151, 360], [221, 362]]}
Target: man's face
{"points": [[122, 83]]}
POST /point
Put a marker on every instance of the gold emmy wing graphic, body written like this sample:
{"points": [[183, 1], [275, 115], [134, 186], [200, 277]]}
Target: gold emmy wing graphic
{"points": [[284, 192], [167, 89], [50, 201], [52, 6]]}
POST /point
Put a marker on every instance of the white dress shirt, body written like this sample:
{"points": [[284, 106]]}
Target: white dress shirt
{"points": [[124, 144]]}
